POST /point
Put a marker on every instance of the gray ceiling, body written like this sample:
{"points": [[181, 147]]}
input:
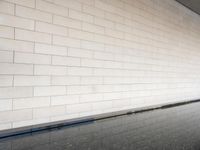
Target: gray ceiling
{"points": [[191, 4]]}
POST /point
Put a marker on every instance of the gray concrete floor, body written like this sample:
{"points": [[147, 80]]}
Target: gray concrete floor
{"points": [[176, 128]]}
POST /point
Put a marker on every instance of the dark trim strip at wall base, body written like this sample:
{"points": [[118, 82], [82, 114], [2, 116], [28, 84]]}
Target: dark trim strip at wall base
{"points": [[73, 122], [188, 7]]}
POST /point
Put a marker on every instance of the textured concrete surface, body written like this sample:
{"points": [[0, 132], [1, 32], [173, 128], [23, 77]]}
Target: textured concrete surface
{"points": [[174, 128]]}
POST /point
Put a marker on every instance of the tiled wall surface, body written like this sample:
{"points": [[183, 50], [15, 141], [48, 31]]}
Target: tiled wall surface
{"points": [[62, 59]]}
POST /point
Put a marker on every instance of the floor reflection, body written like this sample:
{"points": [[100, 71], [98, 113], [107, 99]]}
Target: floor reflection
{"points": [[176, 128]]}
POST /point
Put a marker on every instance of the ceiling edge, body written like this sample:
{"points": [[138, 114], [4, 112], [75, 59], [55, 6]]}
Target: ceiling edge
{"points": [[188, 7]]}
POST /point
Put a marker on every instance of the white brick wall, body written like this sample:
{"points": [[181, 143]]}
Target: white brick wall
{"points": [[7, 8], [26, 35], [62, 59], [6, 32], [33, 14], [13, 21]]}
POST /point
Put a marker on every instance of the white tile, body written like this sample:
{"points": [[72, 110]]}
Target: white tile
{"points": [[6, 32], [102, 106], [29, 58], [114, 17], [18, 22], [80, 16], [32, 36], [92, 63], [5, 126], [12, 116], [33, 14], [93, 28], [51, 8], [66, 21], [28, 3], [93, 11], [49, 70], [121, 103], [88, 2], [104, 22], [48, 111], [78, 108], [6, 56], [114, 33], [50, 49], [18, 124], [50, 28], [65, 80], [65, 41], [15, 92], [35, 102], [79, 89], [92, 45], [65, 61], [82, 53], [64, 100], [81, 34], [104, 56], [91, 98], [49, 90], [5, 105], [15, 45], [7, 8], [16, 69], [31, 80], [103, 5], [91, 80], [69, 4], [6, 80], [80, 71], [64, 117]]}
